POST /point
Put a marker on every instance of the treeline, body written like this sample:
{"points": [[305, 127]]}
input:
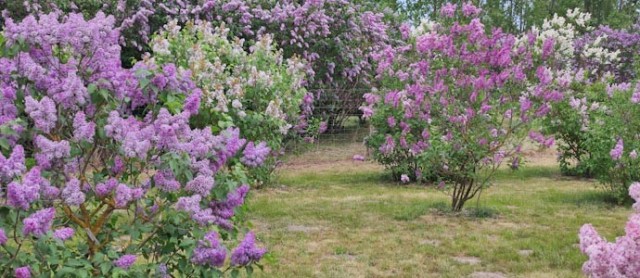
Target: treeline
{"points": [[519, 15]]}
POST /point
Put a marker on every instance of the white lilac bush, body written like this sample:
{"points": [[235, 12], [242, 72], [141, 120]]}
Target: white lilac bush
{"points": [[99, 174], [251, 87], [595, 122], [458, 101]]}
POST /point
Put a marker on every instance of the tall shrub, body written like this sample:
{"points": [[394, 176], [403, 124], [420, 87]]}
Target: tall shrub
{"points": [[97, 176], [459, 101], [257, 90]]}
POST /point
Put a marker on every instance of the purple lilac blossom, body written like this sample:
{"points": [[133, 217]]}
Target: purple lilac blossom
{"points": [[21, 195], [43, 113], [3, 237], [166, 181], [201, 185], [63, 233], [14, 165], [255, 155], [83, 130], [124, 195], [616, 152], [38, 223], [247, 252], [50, 151], [23, 272], [209, 251], [125, 262], [72, 194]]}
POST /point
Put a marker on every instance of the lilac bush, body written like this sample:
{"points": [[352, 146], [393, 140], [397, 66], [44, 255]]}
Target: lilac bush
{"points": [[626, 43], [617, 259], [458, 101], [256, 90], [99, 173], [334, 37]]}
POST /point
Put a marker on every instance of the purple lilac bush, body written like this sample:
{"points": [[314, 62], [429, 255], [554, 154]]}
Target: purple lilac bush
{"points": [[95, 172], [458, 101]]}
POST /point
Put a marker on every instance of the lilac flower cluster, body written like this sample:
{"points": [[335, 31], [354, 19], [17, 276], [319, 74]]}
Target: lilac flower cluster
{"points": [[63, 233], [626, 43], [22, 195], [125, 261], [617, 151], [209, 251], [124, 195], [166, 181], [247, 252], [72, 194], [38, 223], [14, 165], [50, 151], [224, 210], [620, 258], [255, 155], [83, 130], [23, 272], [43, 113]]}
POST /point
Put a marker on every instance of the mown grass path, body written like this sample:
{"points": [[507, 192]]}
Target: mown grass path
{"points": [[328, 216]]}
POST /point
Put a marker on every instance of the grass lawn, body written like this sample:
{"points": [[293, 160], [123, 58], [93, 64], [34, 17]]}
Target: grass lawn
{"points": [[328, 216]]}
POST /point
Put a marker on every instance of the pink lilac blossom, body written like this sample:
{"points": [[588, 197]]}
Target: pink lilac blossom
{"points": [[125, 261], [3, 237], [358, 157], [192, 103], [323, 127], [23, 272], [617, 151], [247, 252], [63, 233], [389, 145], [38, 223], [404, 178], [469, 10], [613, 259], [448, 10]]}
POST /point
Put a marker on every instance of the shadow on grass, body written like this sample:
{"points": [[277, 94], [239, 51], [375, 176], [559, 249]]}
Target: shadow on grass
{"points": [[416, 210], [413, 211], [325, 179], [599, 198], [527, 173]]}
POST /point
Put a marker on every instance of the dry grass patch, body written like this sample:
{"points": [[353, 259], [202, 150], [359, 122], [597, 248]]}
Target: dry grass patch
{"points": [[339, 218]]}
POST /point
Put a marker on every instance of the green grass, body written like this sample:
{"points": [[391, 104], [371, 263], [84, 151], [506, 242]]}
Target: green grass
{"points": [[347, 219]]}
